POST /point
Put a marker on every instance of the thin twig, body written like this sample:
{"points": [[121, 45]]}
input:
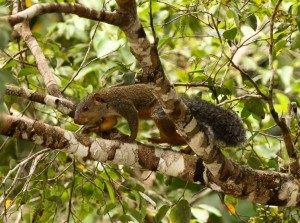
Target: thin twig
{"points": [[240, 98], [271, 46], [152, 25], [84, 59], [23, 163], [14, 58], [18, 167], [235, 66], [71, 191], [290, 147]]}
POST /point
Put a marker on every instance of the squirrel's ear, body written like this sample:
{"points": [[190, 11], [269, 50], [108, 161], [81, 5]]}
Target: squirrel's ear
{"points": [[98, 97]]}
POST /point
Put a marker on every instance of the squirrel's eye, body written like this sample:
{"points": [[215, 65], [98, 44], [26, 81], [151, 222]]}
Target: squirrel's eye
{"points": [[85, 108]]}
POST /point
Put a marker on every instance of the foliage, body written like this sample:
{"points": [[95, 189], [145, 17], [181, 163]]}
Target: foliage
{"points": [[197, 40]]}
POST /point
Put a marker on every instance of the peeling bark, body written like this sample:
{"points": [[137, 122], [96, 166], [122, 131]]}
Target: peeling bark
{"points": [[135, 155], [68, 8], [63, 105], [24, 31], [265, 187]]}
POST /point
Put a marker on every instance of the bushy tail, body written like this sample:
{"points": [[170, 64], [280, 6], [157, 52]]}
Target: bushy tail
{"points": [[227, 127]]}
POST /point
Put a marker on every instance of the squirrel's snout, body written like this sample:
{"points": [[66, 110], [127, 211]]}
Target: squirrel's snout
{"points": [[80, 121]]}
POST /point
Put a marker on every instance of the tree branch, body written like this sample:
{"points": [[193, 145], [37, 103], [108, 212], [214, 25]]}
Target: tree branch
{"points": [[63, 105], [24, 31], [67, 8], [136, 155], [263, 187]]}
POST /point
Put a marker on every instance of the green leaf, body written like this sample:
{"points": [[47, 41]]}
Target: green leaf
{"points": [[28, 71], [255, 106], [254, 162], [164, 41], [161, 213], [252, 21], [183, 26], [55, 198], [279, 46], [181, 213], [214, 9], [106, 175], [230, 34], [111, 191], [99, 183], [235, 14], [4, 34], [87, 190], [50, 173], [245, 113], [272, 164], [283, 102], [5, 77], [136, 214], [84, 210], [53, 62], [296, 42], [109, 207], [90, 79], [125, 218]]}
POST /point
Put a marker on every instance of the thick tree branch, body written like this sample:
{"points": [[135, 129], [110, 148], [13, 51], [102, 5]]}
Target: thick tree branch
{"points": [[68, 8], [63, 105], [258, 186], [135, 155], [24, 31]]}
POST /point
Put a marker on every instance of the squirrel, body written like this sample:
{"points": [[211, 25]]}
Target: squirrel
{"points": [[99, 112]]}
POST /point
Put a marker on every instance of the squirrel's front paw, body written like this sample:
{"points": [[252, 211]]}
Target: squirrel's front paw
{"points": [[87, 130]]}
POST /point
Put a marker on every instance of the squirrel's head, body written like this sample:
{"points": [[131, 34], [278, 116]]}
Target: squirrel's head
{"points": [[91, 110]]}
